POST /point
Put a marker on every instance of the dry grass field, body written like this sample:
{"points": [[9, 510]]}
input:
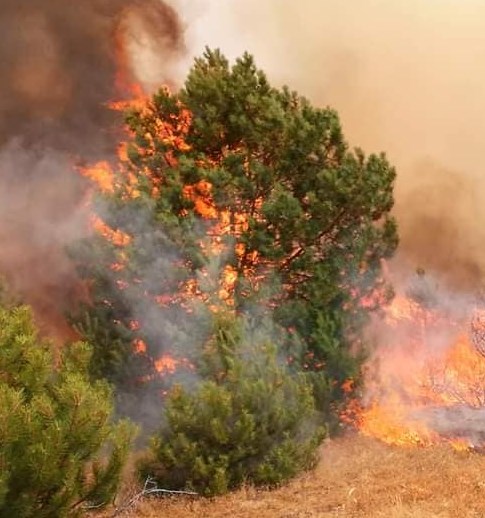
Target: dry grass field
{"points": [[356, 477]]}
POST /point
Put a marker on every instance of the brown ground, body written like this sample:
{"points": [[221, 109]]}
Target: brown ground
{"points": [[357, 477]]}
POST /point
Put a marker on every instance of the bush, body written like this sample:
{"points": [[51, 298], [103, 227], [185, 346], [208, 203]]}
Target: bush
{"points": [[53, 426], [252, 422]]}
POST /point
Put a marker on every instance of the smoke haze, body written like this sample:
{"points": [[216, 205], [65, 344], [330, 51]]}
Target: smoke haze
{"points": [[60, 63], [407, 78]]}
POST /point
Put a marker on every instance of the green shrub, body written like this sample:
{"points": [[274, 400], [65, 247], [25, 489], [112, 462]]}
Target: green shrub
{"points": [[252, 422], [54, 425]]}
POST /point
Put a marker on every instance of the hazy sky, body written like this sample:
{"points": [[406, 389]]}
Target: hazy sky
{"points": [[406, 77]]}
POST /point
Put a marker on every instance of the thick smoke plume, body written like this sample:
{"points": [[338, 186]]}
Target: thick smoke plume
{"points": [[61, 63]]}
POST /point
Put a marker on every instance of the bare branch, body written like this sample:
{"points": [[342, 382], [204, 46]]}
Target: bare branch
{"points": [[149, 488]]}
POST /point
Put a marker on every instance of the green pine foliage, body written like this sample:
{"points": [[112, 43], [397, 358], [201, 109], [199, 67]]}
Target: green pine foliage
{"points": [[318, 226], [249, 421], [59, 450]]}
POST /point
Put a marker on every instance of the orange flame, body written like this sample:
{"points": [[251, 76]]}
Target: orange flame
{"points": [[116, 237], [166, 363], [436, 364], [102, 175], [128, 181]]}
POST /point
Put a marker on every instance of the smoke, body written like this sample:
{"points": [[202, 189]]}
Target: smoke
{"points": [[406, 77], [60, 64]]}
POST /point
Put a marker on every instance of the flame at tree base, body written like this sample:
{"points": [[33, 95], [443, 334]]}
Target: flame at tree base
{"points": [[425, 383], [394, 426]]}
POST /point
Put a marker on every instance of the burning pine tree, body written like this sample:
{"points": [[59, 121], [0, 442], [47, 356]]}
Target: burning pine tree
{"points": [[231, 195]]}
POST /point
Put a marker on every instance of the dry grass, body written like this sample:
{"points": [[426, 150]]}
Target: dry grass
{"points": [[357, 477]]}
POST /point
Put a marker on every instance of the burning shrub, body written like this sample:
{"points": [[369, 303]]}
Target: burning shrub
{"points": [[252, 421], [53, 426]]}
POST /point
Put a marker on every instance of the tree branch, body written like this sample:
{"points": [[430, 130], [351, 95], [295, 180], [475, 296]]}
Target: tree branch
{"points": [[147, 491]]}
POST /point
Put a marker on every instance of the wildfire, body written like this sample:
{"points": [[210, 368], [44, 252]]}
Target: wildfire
{"points": [[116, 237], [102, 174], [430, 369], [125, 182]]}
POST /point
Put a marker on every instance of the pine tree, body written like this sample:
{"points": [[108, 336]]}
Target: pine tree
{"points": [[249, 421], [231, 178], [58, 447]]}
